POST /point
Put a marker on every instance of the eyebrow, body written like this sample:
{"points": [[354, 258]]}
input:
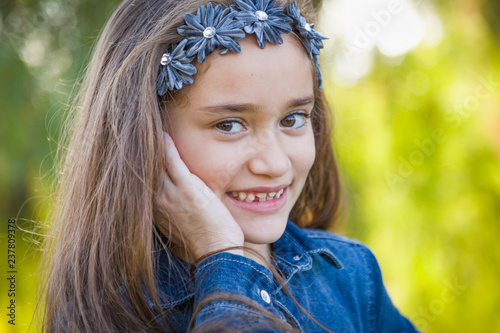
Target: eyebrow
{"points": [[249, 107]]}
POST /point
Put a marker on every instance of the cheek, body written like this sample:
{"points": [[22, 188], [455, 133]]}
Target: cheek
{"points": [[304, 155], [213, 163]]}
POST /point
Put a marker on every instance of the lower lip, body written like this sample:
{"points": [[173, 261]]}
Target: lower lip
{"points": [[268, 206]]}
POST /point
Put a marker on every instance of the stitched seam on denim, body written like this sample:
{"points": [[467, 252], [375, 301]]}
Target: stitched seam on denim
{"points": [[280, 286], [371, 310], [179, 301], [336, 238], [284, 261], [234, 260], [290, 265], [295, 268], [213, 307], [302, 250], [314, 233], [285, 309], [324, 250]]}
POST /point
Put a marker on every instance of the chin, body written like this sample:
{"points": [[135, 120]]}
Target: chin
{"points": [[265, 231]]}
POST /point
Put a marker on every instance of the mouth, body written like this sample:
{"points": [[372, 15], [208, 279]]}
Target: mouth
{"points": [[261, 202], [256, 196]]}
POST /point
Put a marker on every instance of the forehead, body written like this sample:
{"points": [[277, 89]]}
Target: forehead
{"points": [[277, 72]]}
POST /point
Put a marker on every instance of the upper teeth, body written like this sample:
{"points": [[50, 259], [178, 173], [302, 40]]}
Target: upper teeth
{"points": [[261, 196]]}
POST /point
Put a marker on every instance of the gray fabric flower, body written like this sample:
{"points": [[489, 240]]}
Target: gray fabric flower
{"points": [[210, 28], [176, 69], [311, 39], [264, 19], [318, 71]]}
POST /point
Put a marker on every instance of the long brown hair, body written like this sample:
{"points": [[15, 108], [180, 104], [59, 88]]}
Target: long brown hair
{"points": [[101, 256]]}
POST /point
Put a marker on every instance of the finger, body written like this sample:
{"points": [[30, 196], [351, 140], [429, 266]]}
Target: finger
{"points": [[173, 197], [176, 168], [167, 186]]}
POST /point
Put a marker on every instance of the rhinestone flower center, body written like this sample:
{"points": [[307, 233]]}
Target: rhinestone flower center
{"points": [[261, 15], [209, 32], [307, 26], [166, 59]]}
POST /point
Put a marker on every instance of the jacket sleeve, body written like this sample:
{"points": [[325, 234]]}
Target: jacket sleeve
{"points": [[232, 291], [386, 318]]}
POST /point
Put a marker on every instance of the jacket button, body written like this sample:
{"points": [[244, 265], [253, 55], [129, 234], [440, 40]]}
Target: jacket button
{"points": [[296, 257], [265, 296]]}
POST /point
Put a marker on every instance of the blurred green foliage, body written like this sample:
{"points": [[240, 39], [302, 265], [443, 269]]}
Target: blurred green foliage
{"points": [[418, 143]]}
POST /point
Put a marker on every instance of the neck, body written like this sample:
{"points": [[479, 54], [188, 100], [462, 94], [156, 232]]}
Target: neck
{"points": [[260, 253]]}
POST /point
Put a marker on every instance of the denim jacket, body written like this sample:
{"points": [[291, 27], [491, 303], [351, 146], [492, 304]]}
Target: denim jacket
{"points": [[335, 279]]}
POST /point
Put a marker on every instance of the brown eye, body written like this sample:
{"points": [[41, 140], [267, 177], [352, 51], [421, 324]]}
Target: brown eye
{"points": [[296, 120], [229, 127], [288, 121], [225, 126]]}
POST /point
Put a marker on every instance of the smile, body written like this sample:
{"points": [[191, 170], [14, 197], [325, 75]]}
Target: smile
{"points": [[256, 196], [259, 202]]}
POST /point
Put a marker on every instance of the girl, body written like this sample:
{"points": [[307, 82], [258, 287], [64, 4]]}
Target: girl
{"points": [[196, 183]]}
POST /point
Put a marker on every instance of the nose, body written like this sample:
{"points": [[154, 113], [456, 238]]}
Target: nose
{"points": [[270, 156]]}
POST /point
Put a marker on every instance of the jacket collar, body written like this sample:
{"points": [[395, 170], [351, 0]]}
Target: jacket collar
{"points": [[292, 253], [296, 247]]}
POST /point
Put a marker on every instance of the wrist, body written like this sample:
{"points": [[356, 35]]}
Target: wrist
{"points": [[206, 252]]}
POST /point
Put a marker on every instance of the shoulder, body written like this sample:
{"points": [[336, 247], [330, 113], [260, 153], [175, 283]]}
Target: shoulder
{"points": [[347, 253], [342, 245], [351, 253], [361, 275], [330, 237]]}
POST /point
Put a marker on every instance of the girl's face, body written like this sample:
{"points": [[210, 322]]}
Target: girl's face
{"points": [[243, 127]]}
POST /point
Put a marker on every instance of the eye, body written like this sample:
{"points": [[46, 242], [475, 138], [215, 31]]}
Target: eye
{"points": [[229, 127], [295, 120]]}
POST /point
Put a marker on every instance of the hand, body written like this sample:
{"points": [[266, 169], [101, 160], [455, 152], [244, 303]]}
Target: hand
{"points": [[197, 220]]}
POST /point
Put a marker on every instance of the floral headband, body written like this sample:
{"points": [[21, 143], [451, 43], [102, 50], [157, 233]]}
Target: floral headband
{"points": [[213, 27]]}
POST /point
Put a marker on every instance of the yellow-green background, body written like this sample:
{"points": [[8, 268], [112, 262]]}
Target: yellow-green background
{"points": [[431, 215]]}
